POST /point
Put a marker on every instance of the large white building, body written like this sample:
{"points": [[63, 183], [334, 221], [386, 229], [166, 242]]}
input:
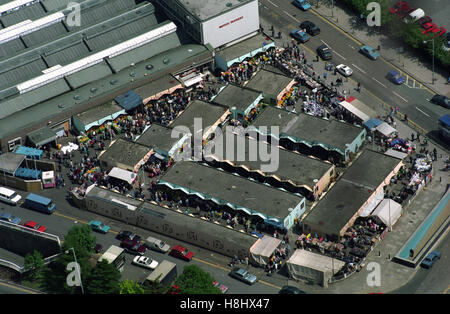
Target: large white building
{"points": [[214, 22]]}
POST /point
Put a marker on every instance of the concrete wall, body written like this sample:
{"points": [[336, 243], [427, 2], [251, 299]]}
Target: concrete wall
{"points": [[21, 184]]}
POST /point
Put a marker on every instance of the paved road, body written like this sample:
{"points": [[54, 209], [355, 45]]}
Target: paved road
{"points": [[8, 288], [371, 74]]}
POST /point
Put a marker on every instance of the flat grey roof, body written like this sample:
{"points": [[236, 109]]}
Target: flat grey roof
{"points": [[98, 112], [206, 9], [243, 47], [288, 166], [268, 82], [125, 152], [9, 162], [310, 128], [112, 196], [208, 113], [158, 136], [236, 96], [160, 85], [371, 168], [231, 188]]}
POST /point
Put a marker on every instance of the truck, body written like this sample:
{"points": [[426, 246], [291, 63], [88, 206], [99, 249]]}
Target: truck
{"points": [[39, 203], [165, 273]]}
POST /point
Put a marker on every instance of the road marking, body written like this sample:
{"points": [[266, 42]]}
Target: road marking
{"points": [[325, 43], [379, 82], [291, 16], [422, 112], [76, 220], [339, 55], [359, 43], [427, 99], [19, 288], [351, 47], [358, 68], [272, 3], [268, 284], [399, 96]]}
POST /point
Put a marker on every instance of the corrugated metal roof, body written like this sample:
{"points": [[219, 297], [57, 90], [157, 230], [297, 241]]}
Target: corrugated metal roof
{"points": [[67, 55], [52, 5], [88, 75], [21, 73], [44, 35], [31, 12], [11, 47]]}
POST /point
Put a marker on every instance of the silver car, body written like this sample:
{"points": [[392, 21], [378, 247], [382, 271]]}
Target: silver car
{"points": [[244, 276]]}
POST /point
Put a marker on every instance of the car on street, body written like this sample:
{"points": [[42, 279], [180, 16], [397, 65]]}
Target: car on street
{"points": [[369, 52], [182, 253], [345, 70], [310, 28], [302, 4], [124, 234], [222, 287], [300, 35], [243, 275], [290, 290], [441, 100], [133, 246], [34, 225], [324, 52], [430, 259], [98, 226], [157, 245], [145, 262], [395, 77], [10, 218]]}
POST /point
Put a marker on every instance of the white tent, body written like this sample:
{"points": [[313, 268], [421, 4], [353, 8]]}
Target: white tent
{"points": [[358, 108], [306, 265], [387, 208], [123, 175], [385, 129], [367, 210], [395, 153], [262, 249]]}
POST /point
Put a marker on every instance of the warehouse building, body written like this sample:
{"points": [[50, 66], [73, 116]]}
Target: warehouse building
{"points": [[214, 22], [51, 70]]}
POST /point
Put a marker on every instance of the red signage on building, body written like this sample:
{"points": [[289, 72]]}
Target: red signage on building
{"points": [[231, 22]]}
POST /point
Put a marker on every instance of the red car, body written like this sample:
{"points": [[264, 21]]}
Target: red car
{"points": [[182, 253], [34, 225], [133, 246]]}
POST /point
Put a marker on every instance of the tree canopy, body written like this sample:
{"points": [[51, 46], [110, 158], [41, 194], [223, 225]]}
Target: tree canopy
{"points": [[194, 280]]}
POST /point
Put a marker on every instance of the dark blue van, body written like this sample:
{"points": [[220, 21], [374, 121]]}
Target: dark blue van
{"points": [[39, 203]]}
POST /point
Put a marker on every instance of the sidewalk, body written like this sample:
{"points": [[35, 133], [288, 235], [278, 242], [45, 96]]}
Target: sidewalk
{"points": [[395, 53]]}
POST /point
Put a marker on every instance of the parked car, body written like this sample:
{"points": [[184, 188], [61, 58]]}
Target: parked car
{"points": [[98, 226], [441, 100], [9, 196], [369, 52], [157, 245], [291, 290], [302, 4], [324, 52], [124, 234], [222, 287], [244, 276], [34, 225], [145, 262], [182, 253], [133, 246], [395, 77], [310, 28], [430, 259], [344, 70], [300, 35], [10, 218]]}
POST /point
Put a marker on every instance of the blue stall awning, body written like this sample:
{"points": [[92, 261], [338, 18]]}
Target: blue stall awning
{"points": [[29, 152], [129, 100], [371, 124]]}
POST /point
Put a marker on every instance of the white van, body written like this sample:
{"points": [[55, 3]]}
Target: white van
{"points": [[157, 245], [9, 196]]}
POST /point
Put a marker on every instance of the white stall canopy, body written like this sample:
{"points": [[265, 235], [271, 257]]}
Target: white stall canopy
{"points": [[388, 208], [367, 210], [395, 153], [123, 175], [385, 129], [263, 249]]}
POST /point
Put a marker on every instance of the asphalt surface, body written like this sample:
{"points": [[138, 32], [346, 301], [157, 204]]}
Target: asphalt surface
{"points": [[438, 10], [413, 101]]}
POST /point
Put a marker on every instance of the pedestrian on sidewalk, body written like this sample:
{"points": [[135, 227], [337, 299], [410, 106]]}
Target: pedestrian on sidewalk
{"points": [[418, 136], [359, 87], [279, 35], [406, 118], [325, 75], [317, 58], [412, 137]]}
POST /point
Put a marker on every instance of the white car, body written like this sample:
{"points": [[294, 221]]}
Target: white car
{"points": [[145, 261], [344, 70]]}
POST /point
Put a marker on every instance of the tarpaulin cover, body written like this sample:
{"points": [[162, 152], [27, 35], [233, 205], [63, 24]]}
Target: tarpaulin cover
{"points": [[388, 208], [123, 175], [372, 204], [129, 100], [263, 249], [371, 124], [385, 129]]}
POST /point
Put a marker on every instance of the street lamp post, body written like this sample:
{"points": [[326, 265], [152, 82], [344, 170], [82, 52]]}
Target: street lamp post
{"points": [[78, 268], [432, 41]]}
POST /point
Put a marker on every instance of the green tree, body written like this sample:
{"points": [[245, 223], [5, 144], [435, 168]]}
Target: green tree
{"points": [[130, 287], [35, 264], [154, 288], [81, 239], [103, 279], [194, 280]]}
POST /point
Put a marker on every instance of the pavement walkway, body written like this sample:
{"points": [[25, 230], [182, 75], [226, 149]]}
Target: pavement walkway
{"points": [[417, 69]]}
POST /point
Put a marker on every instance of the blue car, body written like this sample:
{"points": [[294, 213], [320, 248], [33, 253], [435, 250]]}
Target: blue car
{"points": [[9, 218], [431, 259], [395, 77], [99, 226], [369, 52], [300, 35], [301, 4]]}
